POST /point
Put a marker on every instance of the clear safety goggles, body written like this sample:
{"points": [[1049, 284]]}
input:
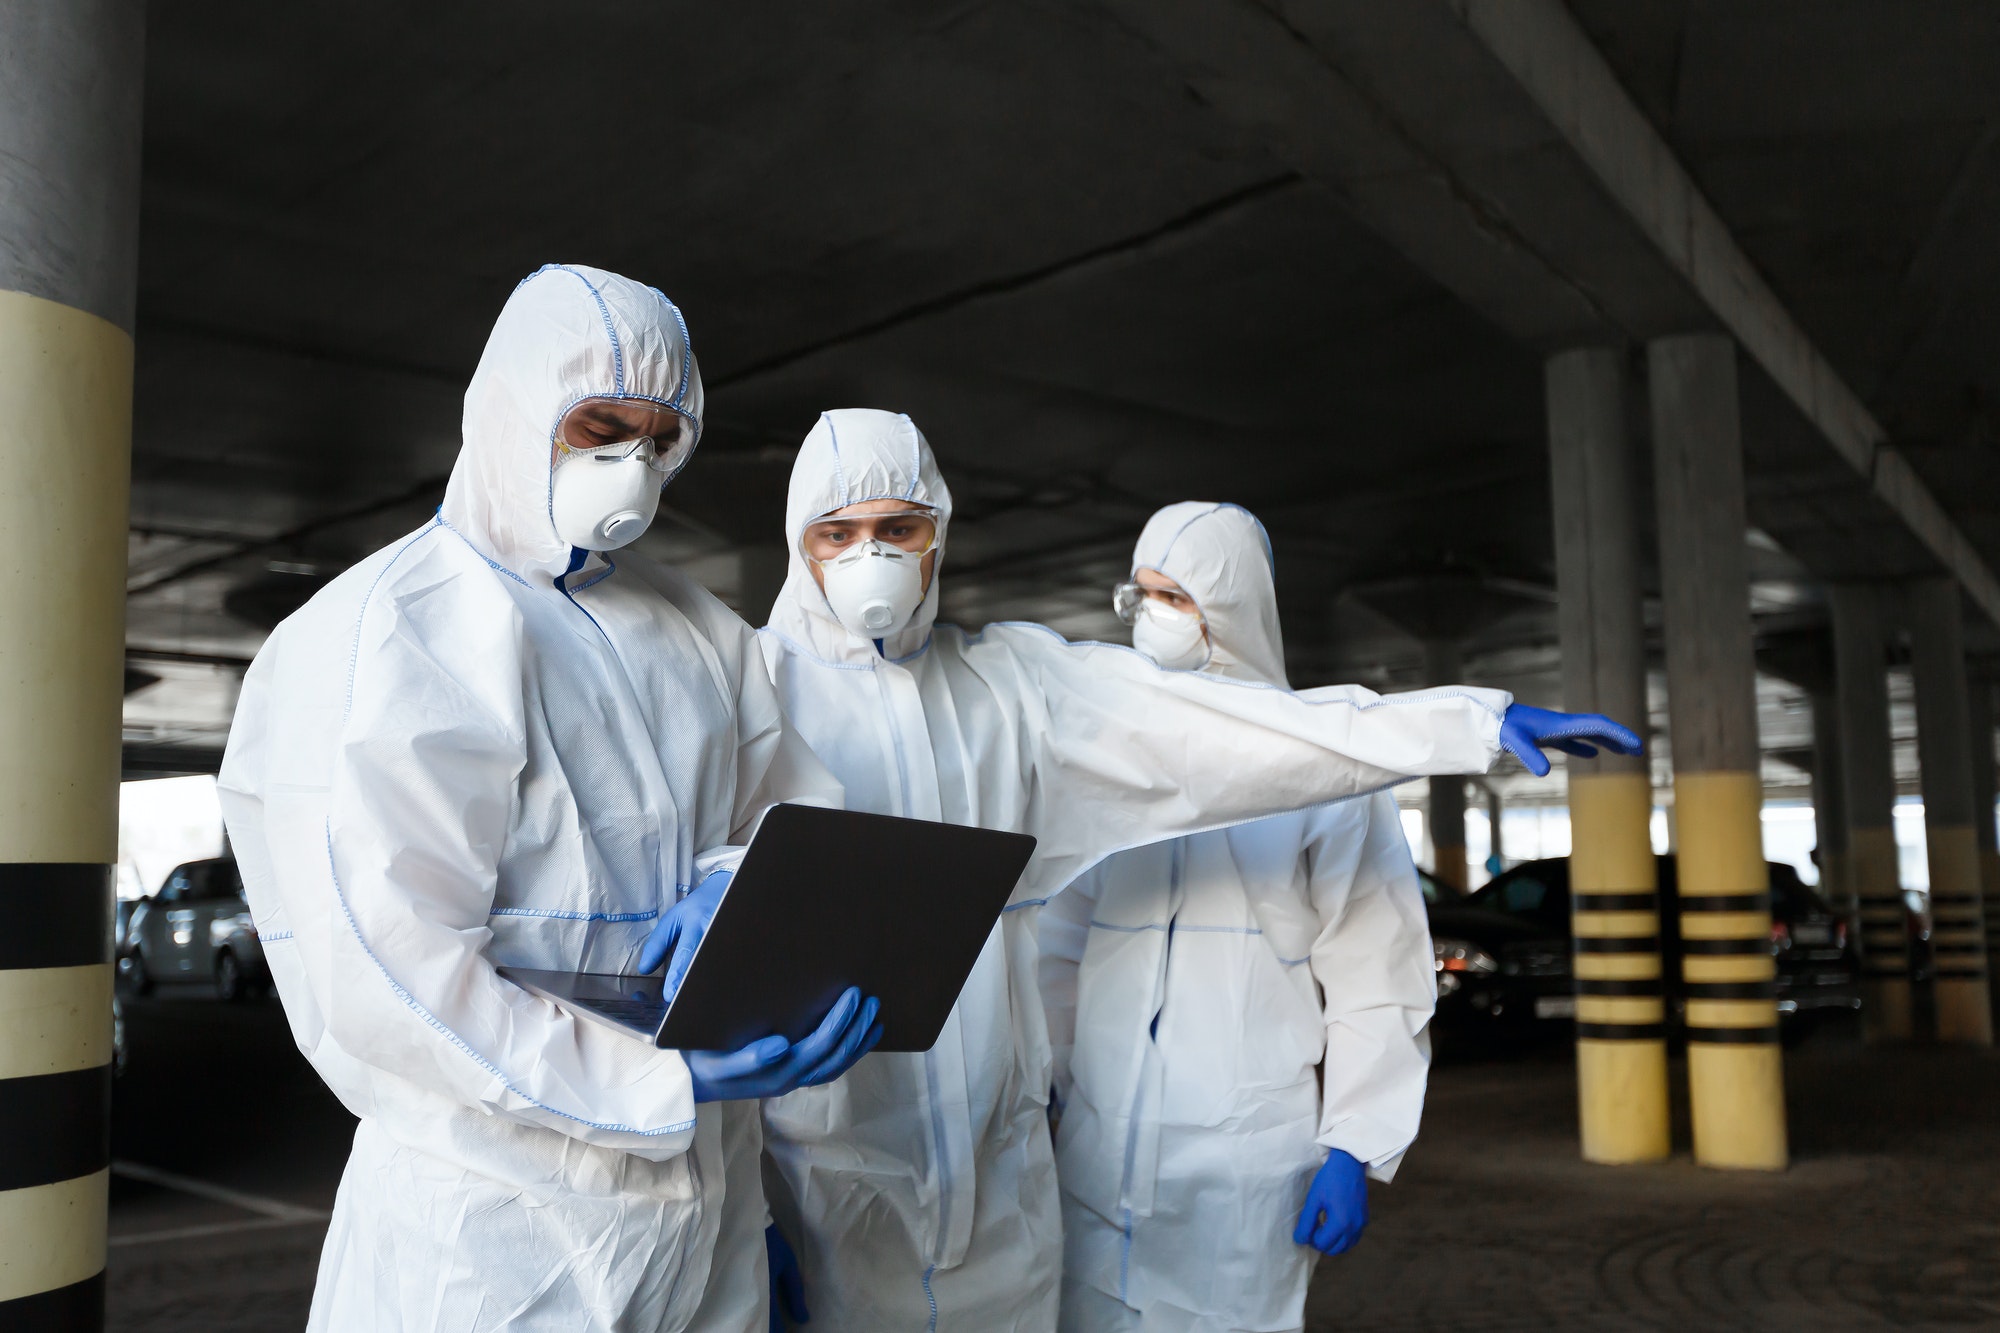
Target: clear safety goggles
{"points": [[615, 429], [1129, 597], [912, 530]]}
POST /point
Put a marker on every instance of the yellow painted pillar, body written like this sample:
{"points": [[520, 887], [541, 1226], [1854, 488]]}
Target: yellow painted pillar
{"points": [[1735, 1065], [1621, 1049], [69, 151], [1868, 783], [1945, 756]]}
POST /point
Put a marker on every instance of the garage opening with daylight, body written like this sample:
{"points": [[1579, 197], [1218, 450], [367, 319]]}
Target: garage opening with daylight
{"points": [[1622, 357]]}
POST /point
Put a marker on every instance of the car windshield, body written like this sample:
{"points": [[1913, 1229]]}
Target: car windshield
{"points": [[1535, 889], [214, 880]]}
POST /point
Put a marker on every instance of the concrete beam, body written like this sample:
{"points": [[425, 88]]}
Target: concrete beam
{"points": [[1539, 194], [1547, 50], [70, 85]]}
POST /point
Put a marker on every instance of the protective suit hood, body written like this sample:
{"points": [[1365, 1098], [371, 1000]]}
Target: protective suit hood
{"points": [[1220, 554], [568, 332], [854, 454]]}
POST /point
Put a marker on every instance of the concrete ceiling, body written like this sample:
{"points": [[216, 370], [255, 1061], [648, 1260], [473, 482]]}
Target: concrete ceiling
{"points": [[1100, 276]]}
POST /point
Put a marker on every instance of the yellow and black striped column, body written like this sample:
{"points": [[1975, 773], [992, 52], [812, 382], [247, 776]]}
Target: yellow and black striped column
{"points": [[1868, 779], [69, 152], [1621, 1050], [1735, 1066], [1944, 753]]}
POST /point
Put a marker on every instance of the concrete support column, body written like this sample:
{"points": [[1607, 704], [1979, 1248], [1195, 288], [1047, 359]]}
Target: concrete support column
{"points": [[1979, 709], [1830, 806], [1868, 783], [69, 181], [1735, 1073], [1944, 752], [1445, 817], [1621, 1047]]}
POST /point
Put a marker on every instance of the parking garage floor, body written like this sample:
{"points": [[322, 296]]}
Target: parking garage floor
{"points": [[229, 1153]]}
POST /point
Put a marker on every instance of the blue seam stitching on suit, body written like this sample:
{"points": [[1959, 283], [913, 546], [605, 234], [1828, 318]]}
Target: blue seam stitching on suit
{"points": [[1031, 902], [1191, 521], [552, 915], [687, 359], [354, 654], [610, 568], [411, 1002], [839, 468], [491, 562], [611, 331], [273, 936], [932, 1298], [1125, 1258]]}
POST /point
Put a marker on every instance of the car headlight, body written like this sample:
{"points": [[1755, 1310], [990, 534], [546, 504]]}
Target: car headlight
{"points": [[1462, 956]]}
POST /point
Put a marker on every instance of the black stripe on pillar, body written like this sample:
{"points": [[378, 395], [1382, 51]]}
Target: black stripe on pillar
{"points": [[1888, 968], [1649, 986], [1959, 973], [1953, 899], [1751, 945], [1939, 948], [55, 1126], [1730, 990], [56, 914], [1621, 1031], [1725, 902], [1618, 944], [1615, 902], [77, 1308], [1733, 1036]]}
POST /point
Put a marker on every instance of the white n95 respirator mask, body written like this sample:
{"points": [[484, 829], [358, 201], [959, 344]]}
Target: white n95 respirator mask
{"points": [[602, 499], [874, 589], [1174, 639]]}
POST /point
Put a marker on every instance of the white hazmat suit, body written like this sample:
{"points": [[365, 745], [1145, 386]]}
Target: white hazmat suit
{"points": [[920, 1188], [1191, 989], [458, 756]]}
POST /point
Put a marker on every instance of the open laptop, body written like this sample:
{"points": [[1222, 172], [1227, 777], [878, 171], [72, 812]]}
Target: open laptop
{"points": [[824, 900]]}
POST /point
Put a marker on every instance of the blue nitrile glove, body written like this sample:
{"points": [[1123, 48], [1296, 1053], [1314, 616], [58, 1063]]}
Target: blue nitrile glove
{"points": [[788, 1284], [772, 1066], [1336, 1206], [1525, 729], [679, 930]]}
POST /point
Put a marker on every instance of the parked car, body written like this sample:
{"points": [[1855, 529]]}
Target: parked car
{"points": [[197, 927], [1503, 952]]}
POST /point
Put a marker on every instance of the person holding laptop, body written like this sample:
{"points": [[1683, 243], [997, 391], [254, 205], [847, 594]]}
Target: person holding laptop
{"points": [[920, 1189], [492, 744]]}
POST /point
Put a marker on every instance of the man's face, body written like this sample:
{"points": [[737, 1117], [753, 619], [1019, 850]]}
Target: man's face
{"points": [[1159, 588], [596, 422], [897, 523]]}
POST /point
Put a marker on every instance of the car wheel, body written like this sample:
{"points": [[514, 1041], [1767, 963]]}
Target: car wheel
{"points": [[229, 984], [132, 968]]}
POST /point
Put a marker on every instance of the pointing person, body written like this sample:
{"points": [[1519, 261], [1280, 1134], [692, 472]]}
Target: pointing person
{"points": [[492, 743], [920, 1190], [1193, 986]]}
